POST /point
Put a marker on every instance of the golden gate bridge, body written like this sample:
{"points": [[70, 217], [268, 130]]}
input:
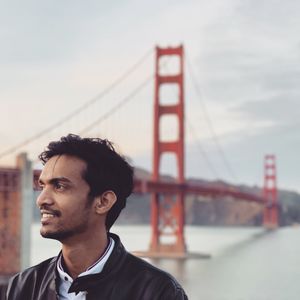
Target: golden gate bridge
{"points": [[167, 197]]}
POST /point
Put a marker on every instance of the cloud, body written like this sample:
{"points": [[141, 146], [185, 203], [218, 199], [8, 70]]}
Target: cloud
{"points": [[55, 55], [280, 109]]}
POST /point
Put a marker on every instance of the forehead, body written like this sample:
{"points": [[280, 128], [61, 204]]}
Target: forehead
{"points": [[63, 166]]}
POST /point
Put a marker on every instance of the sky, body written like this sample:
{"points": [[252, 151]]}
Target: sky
{"points": [[241, 80]]}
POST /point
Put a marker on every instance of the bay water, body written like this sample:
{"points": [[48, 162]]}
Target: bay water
{"points": [[245, 263]]}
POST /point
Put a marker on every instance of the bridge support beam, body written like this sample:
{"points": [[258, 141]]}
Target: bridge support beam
{"points": [[167, 209], [270, 217], [27, 196]]}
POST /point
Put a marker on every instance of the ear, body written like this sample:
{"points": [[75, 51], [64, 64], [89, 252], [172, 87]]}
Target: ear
{"points": [[105, 202]]}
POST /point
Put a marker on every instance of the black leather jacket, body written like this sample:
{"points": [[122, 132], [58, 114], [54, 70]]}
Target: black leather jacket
{"points": [[124, 277]]}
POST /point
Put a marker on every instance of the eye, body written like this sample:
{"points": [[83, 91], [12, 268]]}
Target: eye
{"points": [[39, 186], [59, 186]]}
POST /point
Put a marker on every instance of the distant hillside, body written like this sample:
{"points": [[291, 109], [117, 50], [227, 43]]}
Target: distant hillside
{"points": [[216, 211]]}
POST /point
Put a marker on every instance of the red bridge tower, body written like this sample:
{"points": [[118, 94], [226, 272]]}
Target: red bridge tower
{"points": [[270, 193], [167, 209]]}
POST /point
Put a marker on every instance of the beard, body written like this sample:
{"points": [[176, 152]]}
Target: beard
{"points": [[63, 234], [58, 235]]}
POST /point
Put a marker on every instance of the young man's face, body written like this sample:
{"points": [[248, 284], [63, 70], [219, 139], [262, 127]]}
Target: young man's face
{"points": [[66, 210]]}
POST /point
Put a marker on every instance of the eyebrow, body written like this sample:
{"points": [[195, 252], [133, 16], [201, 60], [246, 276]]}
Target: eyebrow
{"points": [[55, 180]]}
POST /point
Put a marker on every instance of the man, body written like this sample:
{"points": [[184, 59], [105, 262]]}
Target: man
{"points": [[84, 186]]}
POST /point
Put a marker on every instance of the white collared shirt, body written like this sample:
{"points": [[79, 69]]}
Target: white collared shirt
{"points": [[66, 280]]}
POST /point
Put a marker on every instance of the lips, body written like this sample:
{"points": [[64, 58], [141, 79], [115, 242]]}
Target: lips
{"points": [[47, 216]]}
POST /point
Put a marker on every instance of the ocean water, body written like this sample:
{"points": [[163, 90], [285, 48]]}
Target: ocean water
{"points": [[245, 263]]}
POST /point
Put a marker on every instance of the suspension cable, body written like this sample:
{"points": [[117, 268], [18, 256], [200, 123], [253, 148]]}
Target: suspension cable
{"points": [[83, 107], [118, 106], [201, 149], [209, 122], [199, 146]]}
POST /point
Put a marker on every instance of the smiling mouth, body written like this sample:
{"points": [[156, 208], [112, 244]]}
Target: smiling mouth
{"points": [[47, 216]]}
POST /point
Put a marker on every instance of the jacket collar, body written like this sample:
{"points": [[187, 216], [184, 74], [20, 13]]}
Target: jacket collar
{"points": [[111, 267]]}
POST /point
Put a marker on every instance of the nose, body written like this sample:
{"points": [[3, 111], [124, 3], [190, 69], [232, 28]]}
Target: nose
{"points": [[44, 198]]}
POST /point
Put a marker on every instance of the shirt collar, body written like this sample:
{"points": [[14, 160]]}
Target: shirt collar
{"points": [[96, 267]]}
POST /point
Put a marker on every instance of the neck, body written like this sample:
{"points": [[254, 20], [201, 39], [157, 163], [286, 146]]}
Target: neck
{"points": [[79, 255]]}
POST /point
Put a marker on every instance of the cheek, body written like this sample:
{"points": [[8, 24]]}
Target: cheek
{"points": [[78, 205], [83, 197]]}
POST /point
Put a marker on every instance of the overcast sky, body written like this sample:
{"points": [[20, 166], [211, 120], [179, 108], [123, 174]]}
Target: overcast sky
{"points": [[56, 55]]}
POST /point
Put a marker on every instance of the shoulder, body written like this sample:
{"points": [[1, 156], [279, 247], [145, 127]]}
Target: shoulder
{"points": [[155, 279], [38, 269], [148, 281], [30, 276]]}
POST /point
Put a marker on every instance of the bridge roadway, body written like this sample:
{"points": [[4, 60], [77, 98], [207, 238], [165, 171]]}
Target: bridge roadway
{"points": [[147, 186]]}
